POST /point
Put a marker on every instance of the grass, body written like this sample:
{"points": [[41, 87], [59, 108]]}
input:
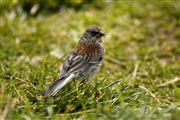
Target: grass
{"points": [[138, 80]]}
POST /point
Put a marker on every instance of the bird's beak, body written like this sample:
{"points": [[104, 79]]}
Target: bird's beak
{"points": [[101, 33]]}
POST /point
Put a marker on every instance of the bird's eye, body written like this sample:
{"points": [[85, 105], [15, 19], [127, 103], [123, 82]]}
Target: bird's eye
{"points": [[94, 32]]}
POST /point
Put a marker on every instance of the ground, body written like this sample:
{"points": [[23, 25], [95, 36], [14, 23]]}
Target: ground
{"points": [[138, 80]]}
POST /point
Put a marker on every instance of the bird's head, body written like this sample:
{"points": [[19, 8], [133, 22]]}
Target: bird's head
{"points": [[92, 34]]}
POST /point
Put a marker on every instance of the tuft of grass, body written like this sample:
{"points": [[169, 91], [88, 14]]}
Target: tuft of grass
{"points": [[138, 80]]}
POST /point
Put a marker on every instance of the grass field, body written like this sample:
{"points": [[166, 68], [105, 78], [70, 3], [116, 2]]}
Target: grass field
{"points": [[140, 77]]}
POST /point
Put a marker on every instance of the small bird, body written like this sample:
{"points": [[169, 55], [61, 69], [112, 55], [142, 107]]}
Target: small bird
{"points": [[83, 62]]}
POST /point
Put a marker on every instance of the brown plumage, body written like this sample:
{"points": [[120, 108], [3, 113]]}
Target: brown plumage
{"points": [[83, 62], [86, 48]]}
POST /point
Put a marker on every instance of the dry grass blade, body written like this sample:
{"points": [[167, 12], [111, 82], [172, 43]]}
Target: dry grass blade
{"points": [[107, 101], [114, 61], [15, 78], [135, 70], [21, 97], [176, 79], [109, 85], [154, 96], [7, 109]]}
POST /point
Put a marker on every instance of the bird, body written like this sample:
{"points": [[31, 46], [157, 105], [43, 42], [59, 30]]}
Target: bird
{"points": [[83, 62]]}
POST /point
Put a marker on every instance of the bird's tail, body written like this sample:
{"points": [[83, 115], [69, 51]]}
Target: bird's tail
{"points": [[57, 85]]}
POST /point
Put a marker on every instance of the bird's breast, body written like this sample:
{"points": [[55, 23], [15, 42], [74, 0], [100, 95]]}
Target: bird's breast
{"points": [[88, 48]]}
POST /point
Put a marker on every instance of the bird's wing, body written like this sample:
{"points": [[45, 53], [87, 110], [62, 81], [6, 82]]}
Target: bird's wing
{"points": [[81, 59], [73, 64]]}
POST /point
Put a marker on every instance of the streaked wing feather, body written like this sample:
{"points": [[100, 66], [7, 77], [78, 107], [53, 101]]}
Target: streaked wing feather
{"points": [[95, 58], [75, 64], [80, 60]]}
